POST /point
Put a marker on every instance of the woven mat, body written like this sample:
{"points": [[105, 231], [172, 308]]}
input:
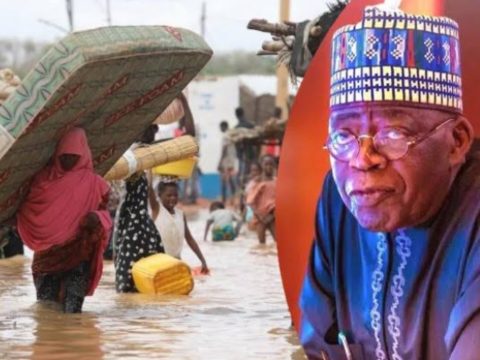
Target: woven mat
{"points": [[111, 81]]}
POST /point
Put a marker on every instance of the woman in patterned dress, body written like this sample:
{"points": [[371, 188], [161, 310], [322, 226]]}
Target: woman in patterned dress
{"points": [[137, 235]]}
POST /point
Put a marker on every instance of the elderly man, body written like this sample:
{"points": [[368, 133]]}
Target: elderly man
{"points": [[394, 271]]}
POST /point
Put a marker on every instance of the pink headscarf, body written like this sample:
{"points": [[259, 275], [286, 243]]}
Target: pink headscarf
{"points": [[58, 199]]}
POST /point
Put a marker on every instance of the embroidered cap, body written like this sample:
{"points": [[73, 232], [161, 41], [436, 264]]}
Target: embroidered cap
{"points": [[391, 56]]}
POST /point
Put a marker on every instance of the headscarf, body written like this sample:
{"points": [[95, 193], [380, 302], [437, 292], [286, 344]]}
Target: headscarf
{"points": [[59, 199]]}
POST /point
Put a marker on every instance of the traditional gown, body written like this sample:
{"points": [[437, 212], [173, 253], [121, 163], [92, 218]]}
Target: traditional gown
{"points": [[407, 294]]}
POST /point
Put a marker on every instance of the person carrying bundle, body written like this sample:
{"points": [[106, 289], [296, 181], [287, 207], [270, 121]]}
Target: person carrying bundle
{"points": [[65, 222], [136, 234]]}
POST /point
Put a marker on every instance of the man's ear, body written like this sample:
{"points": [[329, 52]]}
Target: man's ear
{"points": [[462, 136]]}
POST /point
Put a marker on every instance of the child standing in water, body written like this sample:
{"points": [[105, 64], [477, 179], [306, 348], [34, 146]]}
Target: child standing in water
{"points": [[261, 198], [223, 222], [173, 226], [254, 177]]}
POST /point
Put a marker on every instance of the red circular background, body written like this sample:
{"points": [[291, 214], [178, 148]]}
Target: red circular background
{"points": [[303, 162]]}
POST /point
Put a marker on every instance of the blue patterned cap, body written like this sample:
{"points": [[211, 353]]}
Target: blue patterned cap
{"points": [[399, 58]]}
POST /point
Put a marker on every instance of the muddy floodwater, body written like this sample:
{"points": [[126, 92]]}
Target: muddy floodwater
{"points": [[237, 312]]}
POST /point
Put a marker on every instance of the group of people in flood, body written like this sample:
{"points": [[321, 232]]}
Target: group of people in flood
{"points": [[65, 219], [248, 180], [254, 203], [136, 234], [69, 223]]}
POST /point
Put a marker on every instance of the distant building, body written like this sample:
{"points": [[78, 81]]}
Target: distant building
{"points": [[257, 96], [213, 99]]}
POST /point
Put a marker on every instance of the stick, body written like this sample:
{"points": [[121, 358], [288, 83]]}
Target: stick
{"points": [[277, 29], [284, 29], [265, 53]]}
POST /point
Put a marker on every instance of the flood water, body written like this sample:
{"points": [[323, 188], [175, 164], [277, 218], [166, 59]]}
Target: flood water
{"points": [[237, 312]]}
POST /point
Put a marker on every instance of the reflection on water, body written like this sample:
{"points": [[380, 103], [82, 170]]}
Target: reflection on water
{"points": [[238, 312]]}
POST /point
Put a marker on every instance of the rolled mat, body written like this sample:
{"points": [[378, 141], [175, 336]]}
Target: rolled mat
{"points": [[148, 157]]}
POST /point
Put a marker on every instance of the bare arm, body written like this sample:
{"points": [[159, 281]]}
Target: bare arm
{"points": [[236, 217], [152, 199], [189, 123], [194, 246], [207, 227], [239, 220], [222, 156]]}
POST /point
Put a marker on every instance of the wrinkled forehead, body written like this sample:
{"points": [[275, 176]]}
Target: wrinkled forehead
{"points": [[379, 115]]}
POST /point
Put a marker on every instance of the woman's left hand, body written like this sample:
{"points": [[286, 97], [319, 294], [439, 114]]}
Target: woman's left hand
{"points": [[90, 221]]}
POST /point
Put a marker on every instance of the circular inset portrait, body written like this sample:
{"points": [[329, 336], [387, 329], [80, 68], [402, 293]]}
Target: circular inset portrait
{"points": [[388, 103]]}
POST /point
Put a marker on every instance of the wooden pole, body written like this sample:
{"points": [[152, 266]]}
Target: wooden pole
{"points": [[109, 14], [70, 14], [279, 29], [282, 72], [203, 19], [272, 28]]}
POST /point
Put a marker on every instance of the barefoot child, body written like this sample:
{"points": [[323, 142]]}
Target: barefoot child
{"points": [[261, 199], [223, 222], [173, 226]]}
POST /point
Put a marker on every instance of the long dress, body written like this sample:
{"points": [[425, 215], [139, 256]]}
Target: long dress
{"points": [[55, 221], [137, 235], [69, 266]]}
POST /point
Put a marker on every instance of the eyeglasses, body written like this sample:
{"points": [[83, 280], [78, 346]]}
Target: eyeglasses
{"points": [[392, 143]]}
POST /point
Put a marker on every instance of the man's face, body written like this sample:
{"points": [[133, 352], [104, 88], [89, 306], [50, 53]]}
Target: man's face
{"points": [[385, 195]]}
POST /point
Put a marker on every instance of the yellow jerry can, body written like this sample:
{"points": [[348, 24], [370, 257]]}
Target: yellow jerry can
{"points": [[180, 168], [162, 274]]}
